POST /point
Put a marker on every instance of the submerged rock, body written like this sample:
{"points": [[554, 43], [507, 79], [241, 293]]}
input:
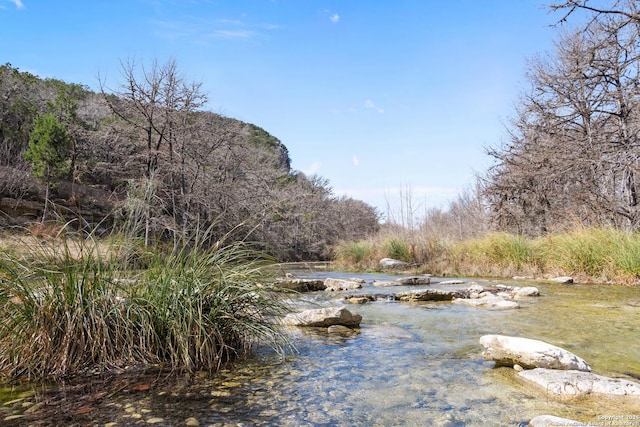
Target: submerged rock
{"points": [[323, 317], [341, 330], [573, 383], [552, 421], [529, 353], [386, 283]]}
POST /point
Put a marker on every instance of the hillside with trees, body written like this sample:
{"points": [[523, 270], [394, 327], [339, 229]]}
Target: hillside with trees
{"points": [[147, 151]]}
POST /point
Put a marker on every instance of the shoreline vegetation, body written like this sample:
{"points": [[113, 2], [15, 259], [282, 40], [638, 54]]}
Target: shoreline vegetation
{"points": [[589, 255], [74, 304]]}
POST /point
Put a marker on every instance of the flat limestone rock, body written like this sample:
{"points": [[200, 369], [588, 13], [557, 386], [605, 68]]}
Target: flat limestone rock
{"points": [[427, 295], [489, 301], [572, 384], [334, 285], [452, 282], [528, 353], [323, 317]]}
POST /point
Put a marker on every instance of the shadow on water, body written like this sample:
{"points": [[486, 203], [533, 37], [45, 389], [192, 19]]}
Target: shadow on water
{"points": [[410, 364]]}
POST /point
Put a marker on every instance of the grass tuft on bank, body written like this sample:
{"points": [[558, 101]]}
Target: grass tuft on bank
{"points": [[78, 306]]}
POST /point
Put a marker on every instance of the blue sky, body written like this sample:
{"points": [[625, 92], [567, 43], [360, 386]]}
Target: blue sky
{"points": [[376, 96]]}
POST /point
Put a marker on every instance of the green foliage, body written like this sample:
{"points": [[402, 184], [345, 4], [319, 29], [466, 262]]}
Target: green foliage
{"points": [[597, 252], [498, 249], [397, 248], [48, 150], [79, 307], [261, 138], [353, 253]]}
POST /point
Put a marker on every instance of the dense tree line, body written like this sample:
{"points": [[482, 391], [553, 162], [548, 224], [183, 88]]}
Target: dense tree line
{"points": [[573, 148], [169, 165]]}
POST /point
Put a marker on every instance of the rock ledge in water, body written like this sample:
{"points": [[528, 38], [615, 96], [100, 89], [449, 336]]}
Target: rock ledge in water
{"points": [[572, 383], [488, 301], [427, 295]]}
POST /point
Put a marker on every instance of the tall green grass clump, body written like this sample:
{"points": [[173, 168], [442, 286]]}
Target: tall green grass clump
{"points": [[397, 248], [79, 308], [601, 253], [496, 252], [354, 254], [206, 307]]}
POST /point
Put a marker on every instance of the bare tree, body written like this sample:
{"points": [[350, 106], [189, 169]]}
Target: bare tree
{"points": [[572, 153]]}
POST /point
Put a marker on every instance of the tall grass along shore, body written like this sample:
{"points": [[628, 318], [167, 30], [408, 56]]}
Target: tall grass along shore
{"points": [[589, 254]]}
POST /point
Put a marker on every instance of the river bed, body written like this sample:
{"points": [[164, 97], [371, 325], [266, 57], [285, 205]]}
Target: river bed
{"points": [[412, 364]]}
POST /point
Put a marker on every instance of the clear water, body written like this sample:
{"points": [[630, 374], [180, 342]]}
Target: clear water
{"points": [[412, 364]]}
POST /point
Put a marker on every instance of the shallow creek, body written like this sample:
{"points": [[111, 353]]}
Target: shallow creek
{"points": [[411, 364]]}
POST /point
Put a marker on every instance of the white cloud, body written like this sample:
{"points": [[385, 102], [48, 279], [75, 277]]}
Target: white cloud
{"points": [[201, 31], [372, 106], [335, 18], [17, 3], [356, 162]]}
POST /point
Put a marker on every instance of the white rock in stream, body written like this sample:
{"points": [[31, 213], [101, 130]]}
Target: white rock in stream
{"points": [[392, 263], [572, 383], [451, 282], [333, 285], [527, 291], [488, 301], [562, 279], [528, 353]]}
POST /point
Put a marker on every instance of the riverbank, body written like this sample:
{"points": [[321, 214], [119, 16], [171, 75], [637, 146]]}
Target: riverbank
{"points": [[589, 255]]}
